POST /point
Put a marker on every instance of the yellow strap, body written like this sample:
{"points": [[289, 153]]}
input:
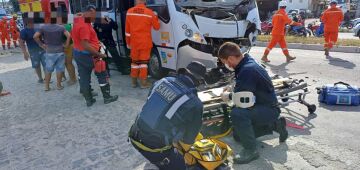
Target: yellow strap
{"points": [[145, 148], [221, 135]]}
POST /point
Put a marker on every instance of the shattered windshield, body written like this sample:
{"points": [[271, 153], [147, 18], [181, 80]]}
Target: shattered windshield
{"points": [[207, 3]]}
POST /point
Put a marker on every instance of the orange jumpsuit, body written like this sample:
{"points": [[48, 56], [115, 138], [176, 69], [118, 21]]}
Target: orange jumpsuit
{"points": [[332, 19], [4, 30], [14, 30], [139, 21], [279, 21]]}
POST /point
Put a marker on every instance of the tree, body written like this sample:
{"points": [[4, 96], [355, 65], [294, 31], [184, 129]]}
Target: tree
{"points": [[15, 5]]}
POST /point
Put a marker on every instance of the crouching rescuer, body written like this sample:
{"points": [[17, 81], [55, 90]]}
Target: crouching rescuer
{"points": [[87, 57], [256, 112], [171, 117], [139, 22]]}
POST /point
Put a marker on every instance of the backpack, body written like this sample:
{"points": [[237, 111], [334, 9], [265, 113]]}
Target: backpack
{"points": [[209, 153]]}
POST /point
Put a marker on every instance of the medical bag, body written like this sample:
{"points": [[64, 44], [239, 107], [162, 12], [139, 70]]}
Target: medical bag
{"points": [[339, 94]]}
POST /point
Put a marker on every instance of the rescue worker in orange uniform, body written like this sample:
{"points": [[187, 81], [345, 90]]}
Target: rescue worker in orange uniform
{"points": [[4, 31], [139, 21], [279, 21], [14, 30], [332, 19]]}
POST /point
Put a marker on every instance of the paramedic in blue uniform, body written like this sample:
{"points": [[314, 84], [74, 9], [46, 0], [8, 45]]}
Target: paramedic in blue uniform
{"points": [[171, 115], [263, 117]]}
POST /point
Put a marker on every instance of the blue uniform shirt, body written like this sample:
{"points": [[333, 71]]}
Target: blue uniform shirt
{"points": [[252, 77]]}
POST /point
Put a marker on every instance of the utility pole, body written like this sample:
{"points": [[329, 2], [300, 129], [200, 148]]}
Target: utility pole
{"points": [[358, 9]]}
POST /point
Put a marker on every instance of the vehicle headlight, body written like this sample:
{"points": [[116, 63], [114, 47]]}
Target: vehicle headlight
{"points": [[197, 37], [189, 33]]}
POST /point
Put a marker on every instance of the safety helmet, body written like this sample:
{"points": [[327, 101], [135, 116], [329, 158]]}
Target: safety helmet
{"points": [[333, 2], [282, 3], [196, 71], [14, 16], [293, 13]]}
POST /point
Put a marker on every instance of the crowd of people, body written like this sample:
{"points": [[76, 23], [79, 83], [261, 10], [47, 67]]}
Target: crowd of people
{"points": [[9, 32]]}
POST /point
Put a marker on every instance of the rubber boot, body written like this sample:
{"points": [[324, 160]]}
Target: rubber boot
{"points": [[289, 58], [144, 84], [15, 44], [4, 47], [94, 94], [134, 82], [88, 98], [246, 156], [106, 94], [9, 46], [280, 127]]}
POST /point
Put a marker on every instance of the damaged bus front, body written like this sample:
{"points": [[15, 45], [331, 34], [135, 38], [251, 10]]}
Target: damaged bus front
{"points": [[193, 30]]}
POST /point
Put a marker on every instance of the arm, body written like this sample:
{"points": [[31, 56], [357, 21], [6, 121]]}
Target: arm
{"points": [[246, 81], [127, 32], [68, 38], [155, 22], [37, 40], [114, 25], [24, 49], [89, 48]]}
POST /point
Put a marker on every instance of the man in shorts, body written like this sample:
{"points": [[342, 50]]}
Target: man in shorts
{"points": [[32, 50], [54, 51]]}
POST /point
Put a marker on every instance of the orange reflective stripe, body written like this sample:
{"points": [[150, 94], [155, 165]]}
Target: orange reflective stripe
{"points": [[135, 14]]}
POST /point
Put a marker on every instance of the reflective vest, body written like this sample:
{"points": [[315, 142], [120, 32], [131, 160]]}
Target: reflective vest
{"points": [[160, 114]]}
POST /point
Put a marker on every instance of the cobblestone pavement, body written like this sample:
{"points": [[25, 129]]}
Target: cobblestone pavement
{"points": [[55, 130]]}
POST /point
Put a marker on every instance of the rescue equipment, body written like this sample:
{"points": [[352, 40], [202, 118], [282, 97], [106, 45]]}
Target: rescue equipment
{"points": [[339, 93], [209, 153]]}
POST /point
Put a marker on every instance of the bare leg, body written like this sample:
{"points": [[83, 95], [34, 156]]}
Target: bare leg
{"points": [[38, 73], [59, 77], [71, 69], [47, 81]]}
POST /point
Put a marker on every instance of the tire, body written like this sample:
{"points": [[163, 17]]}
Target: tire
{"points": [[155, 69], [312, 109], [350, 26]]}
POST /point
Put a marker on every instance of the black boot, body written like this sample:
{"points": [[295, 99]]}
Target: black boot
{"points": [[280, 127], [88, 97], [246, 156], [4, 47], [94, 94], [106, 94]]}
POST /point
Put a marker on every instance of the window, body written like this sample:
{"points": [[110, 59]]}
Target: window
{"points": [[161, 8], [301, 1]]}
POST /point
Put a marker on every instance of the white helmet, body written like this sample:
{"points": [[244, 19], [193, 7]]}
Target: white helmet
{"points": [[282, 3], [333, 1]]}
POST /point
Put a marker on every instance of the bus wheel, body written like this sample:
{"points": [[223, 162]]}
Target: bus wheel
{"points": [[155, 69]]}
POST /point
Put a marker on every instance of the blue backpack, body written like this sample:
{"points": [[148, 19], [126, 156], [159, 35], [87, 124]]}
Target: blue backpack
{"points": [[339, 93]]}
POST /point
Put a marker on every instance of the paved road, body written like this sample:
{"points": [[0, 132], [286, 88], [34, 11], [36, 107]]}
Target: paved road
{"points": [[54, 130]]}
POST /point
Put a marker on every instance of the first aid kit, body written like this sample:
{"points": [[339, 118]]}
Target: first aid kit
{"points": [[339, 93]]}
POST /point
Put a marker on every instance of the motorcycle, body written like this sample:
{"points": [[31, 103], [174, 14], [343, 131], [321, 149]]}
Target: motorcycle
{"points": [[347, 24], [266, 27], [298, 31]]}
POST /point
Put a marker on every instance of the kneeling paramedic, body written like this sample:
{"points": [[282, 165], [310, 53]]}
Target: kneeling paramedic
{"points": [[256, 112], [171, 117]]}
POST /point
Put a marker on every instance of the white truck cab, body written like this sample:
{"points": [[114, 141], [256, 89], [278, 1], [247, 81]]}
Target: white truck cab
{"points": [[193, 30]]}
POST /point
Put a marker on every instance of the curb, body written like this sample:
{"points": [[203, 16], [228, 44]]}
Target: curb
{"points": [[316, 47]]}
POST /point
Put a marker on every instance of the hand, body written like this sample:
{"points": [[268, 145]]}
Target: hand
{"points": [[155, 13], [26, 56], [128, 46], [43, 46], [225, 96], [102, 55]]}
